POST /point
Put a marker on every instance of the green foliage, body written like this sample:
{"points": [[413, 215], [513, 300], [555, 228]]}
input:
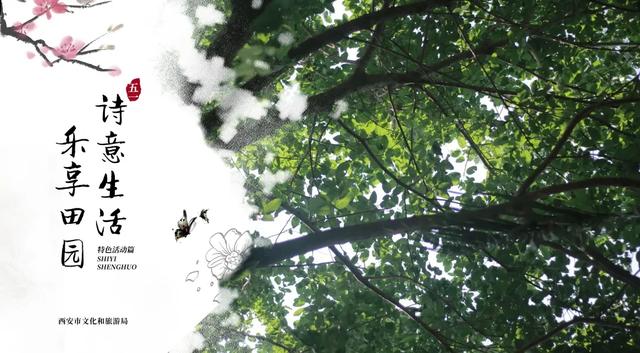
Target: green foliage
{"points": [[496, 284], [279, 13]]}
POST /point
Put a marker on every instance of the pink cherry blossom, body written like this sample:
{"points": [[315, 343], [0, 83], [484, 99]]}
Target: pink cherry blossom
{"points": [[46, 6], [68, 48], [30, 55], [114, 71], [23, 29]]}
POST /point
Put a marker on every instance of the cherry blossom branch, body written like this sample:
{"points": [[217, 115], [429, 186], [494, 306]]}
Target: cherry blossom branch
{"points": [[83, 63], [32, 19], [87, 5], [9, 31], [3, 25], [68, 49], [87, 52], [109, 30]]}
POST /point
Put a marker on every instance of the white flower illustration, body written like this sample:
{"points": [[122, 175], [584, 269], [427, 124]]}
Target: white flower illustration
{"points": [[227, 252]]}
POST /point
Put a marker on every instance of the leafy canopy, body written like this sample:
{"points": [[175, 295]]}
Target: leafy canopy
{"points": [[539, 96]]}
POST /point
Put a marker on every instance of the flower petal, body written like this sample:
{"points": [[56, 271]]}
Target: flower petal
{"points": [[66, 41], [214, 254], [218, 241], [59, 8], [219, 271], [78, 44], [115, 71], [243, 242], [192, 276], [217, 263]]}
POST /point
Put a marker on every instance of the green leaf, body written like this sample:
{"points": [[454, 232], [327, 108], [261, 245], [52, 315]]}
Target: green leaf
{"points": [[271, 206], [343, 202]]}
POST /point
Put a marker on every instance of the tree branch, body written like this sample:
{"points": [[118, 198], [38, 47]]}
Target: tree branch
{"points": [[258, 337], [261, 257], [412, 157], [3, 24], [586, 184], [321, 102], [460, 127], [598, 260], [253, 131], [338, 32], [365, 282], [386, 170], [236, 31], [446, 302], [611, 268], [305, 48], [558, 329], [581, 115], [362, 62], [480, 219], [444, 342]]}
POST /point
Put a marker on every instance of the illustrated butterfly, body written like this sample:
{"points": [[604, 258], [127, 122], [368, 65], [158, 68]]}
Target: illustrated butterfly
{"points": [[186, 225], [203, 215]]}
